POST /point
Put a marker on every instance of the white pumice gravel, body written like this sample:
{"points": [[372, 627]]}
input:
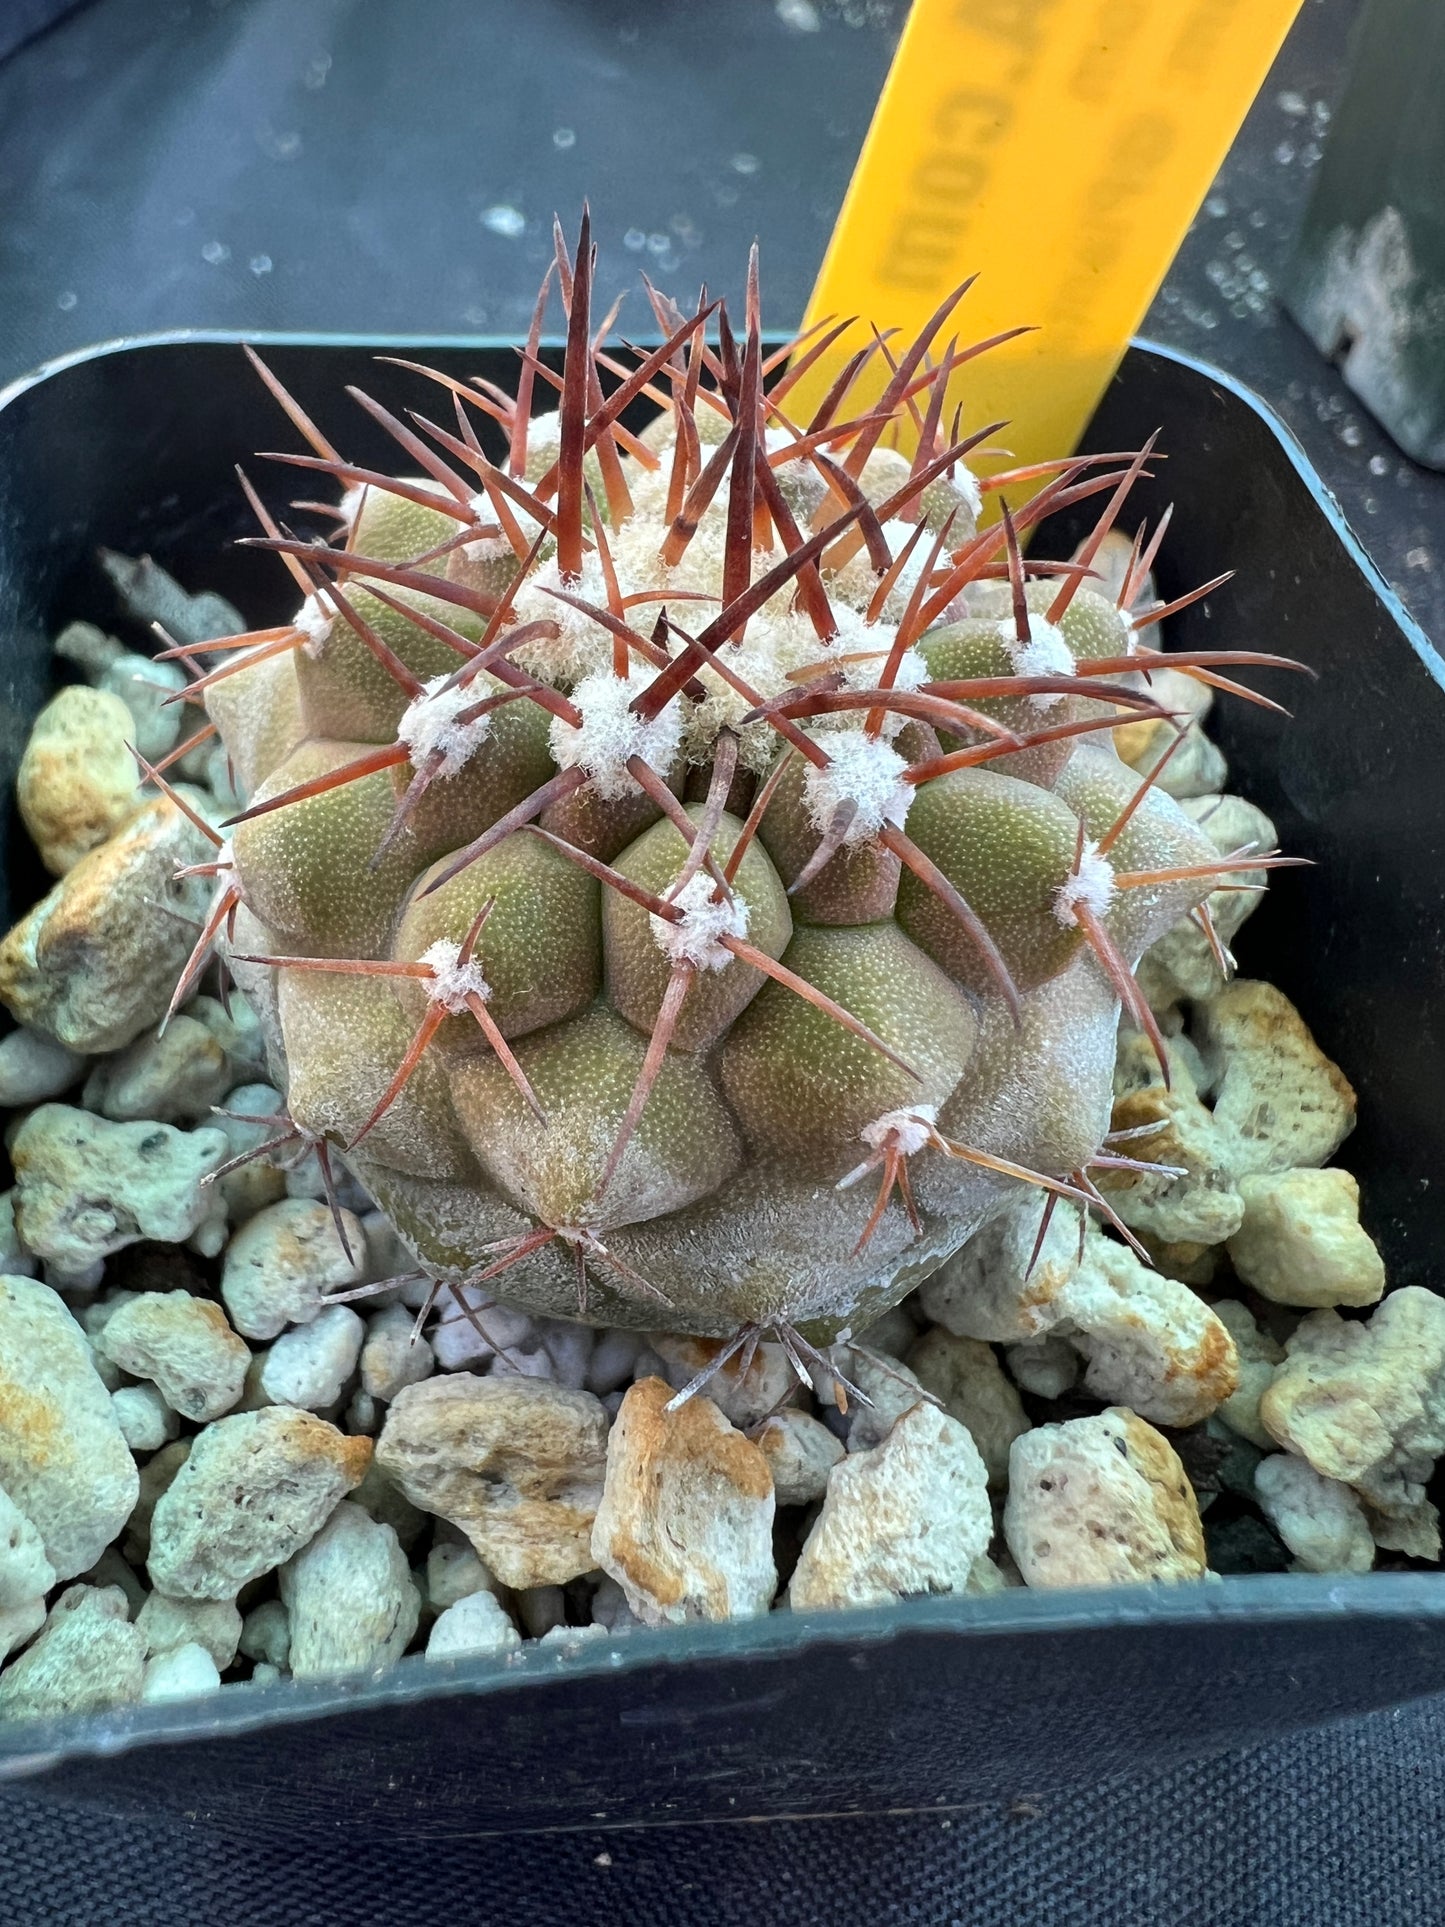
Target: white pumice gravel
{"points": [[180, 1673], [393, 1353], [964, 1373], [741, 1398], [184, 1345], [910, 1516], [473, 1624], [1101, 1501], [266, 1634], [146, 1422], [95, 962], [86, 1188], [800, 1452], [77, 782], [350, 1598], [1259, 1354], [34, 1067], [254, 1489], [453, 1569], [1047, 1366], [245, 1116], [1321, 1521], [1302, 1243], [1364, 1403], [171, 1075], [517, 1463], [281, 1264], [63, 1459], [88, 1657], [685, 1525], [309, 1365], [213, 1624], [26, 1574]]}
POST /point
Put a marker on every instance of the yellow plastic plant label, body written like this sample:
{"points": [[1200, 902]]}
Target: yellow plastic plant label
{"points": [[1058, 148]]}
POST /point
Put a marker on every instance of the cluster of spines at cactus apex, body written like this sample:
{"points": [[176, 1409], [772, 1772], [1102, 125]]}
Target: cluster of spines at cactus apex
{"points": [[650, 835]]}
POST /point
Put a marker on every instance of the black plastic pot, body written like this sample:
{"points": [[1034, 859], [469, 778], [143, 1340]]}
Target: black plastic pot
{"points": [[938, 1701]]}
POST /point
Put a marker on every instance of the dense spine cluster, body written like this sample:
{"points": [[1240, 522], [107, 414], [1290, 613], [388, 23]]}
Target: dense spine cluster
{"points": [[688, 874]]}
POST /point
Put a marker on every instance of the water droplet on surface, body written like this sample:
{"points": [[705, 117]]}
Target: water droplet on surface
{"points": [[800, 15], [314, 79], [67, 300], [505, 220], [1292, 103], [634, 239], [1284, 153], [1216, 207], [745, 163], [281, 146], [261, 264], [1258, 218], [564, 137], [1379, 464], [215, 252], [658, 243], [1351, 434], [1234, 239]]}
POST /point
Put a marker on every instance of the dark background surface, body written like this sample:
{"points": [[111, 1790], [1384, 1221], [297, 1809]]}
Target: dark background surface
{"points": [[391, 167]]}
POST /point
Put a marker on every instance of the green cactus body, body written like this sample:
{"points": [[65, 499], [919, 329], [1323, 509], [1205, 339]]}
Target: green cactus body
{"points": [[760, 1059]]}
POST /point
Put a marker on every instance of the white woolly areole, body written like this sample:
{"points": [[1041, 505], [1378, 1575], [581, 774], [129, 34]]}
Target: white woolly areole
{"points": [[777, 441], [965, 483], [771, 648], [872, 641], [864, 771], [452, 981], [351, 501], [315, 623], [1092, 885], [609, 733], [697, 940], [898, 535], [432, 721], [1044, 654], [905, 1131], [544, 436], [857, 582], [581, 645], [496, 548]]}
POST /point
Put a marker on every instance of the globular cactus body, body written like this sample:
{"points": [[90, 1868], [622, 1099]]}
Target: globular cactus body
{"points": [[689, 876]]}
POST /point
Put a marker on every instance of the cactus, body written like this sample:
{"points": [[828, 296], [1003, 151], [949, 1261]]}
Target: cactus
{"points": [[687, 875]]}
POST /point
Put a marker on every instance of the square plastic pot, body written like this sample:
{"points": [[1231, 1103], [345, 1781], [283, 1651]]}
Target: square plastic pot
{"points": [[937, 1701]]}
